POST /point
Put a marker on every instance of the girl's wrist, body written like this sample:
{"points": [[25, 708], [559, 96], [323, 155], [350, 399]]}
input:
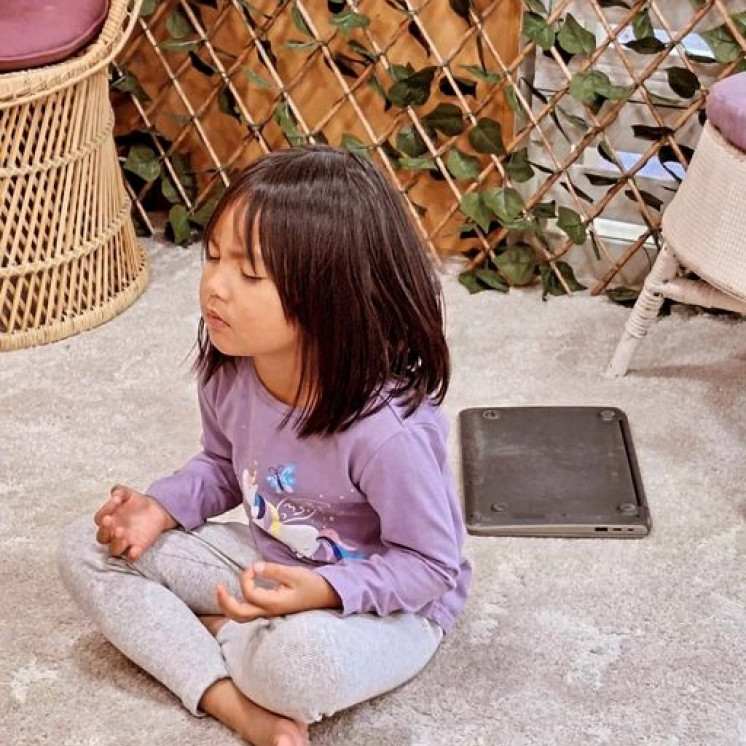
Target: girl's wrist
{"points": [[328, 597], [167, 520]]}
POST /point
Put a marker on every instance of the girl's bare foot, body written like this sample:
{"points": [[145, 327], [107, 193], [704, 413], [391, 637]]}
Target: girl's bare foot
{"points": [[213, 622], [258, 726]]}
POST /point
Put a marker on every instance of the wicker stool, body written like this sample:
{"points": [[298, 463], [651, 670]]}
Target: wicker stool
{"points": [[69, 258], [704, 227]]}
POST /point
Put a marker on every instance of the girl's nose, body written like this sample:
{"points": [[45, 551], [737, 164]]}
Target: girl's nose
{"points": [[215, 281]]}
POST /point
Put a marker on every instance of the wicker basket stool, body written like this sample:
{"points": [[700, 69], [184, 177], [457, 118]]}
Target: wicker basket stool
{"points": [[704, 227], [69, 258]]}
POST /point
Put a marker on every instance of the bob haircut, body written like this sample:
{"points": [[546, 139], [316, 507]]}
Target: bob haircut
{"points": [[351, 272]]}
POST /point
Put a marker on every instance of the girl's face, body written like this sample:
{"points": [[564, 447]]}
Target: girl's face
{"points": [[240, 304]]}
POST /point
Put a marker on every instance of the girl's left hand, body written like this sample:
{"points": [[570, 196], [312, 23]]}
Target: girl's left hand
{"points": [[297, 589]]}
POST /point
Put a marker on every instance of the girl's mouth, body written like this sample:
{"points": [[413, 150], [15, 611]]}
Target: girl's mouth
{"points": [[214, 321]]}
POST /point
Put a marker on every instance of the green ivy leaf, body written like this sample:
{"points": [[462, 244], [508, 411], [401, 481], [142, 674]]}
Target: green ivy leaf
{"points": [[348, 20], [375, 84], [604, 150], [551, 284], [169, 190], [647, 45], [572, 224], [363, 51], [663, 100], [228, 105], [418, 164], [482, 74], [299, 21], [614, 4], [460, 85], [414, 90], [446, 118], [642, 26], [683, 82], [410, 142], [647, 197], [143, 161], [623, 296], [288, 124], [401, 72], [178, 220], [184, 173], [667, 154], [592, 87], [492, 280], [537, 6], [473, 206], [519, 168], [701, 59], [575, 39], [514, 103], [128, 83], [486, 137], [301, 46], [600, 180], [517, 264], [257, 79], [177, 24], [586, 86], [720, 40], [354, 145], [646, 132], [184, 45], [202, 216], [573, 119], [469, 280], [461, 165], [537, 29], [546, 210], [147, 8], [505, 203]]}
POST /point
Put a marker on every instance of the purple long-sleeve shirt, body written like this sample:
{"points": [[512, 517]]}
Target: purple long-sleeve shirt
{"points": [[372, 509]]}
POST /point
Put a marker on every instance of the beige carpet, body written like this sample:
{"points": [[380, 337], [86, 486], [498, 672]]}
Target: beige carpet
{"points": [[564, 643]]}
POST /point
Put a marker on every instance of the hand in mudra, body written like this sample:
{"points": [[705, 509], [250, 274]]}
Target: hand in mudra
{"points": [[296, 589], [129, 522]]}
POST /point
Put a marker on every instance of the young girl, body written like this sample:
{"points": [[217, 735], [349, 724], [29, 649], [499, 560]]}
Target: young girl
{"points": [[321, 360]]}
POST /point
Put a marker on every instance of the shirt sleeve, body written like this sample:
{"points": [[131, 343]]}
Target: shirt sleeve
{"points": [[407, 484], [206, 486]]}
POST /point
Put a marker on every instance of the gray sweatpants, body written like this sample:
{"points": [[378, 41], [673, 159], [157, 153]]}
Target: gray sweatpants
{"points": [[302, 666]]}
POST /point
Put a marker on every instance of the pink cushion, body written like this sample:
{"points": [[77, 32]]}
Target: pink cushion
{"points": [[39, 32], [726, 109]]}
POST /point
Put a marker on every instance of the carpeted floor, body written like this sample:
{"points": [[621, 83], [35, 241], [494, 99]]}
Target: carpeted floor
{"points": [[564, 643]]}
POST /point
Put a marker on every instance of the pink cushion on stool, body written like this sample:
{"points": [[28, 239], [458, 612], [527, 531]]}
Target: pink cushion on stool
{"points": [[726, 109], [39, 32]]}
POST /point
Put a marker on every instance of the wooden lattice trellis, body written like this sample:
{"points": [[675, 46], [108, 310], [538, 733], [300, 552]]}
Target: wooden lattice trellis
{"points": [[513, 128]]}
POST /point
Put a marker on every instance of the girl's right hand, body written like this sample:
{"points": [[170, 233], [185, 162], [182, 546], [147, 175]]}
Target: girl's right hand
{"points": [[129, 522]]}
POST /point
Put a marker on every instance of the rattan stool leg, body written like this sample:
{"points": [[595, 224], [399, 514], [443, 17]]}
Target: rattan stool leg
{"points": [[645, 312]]}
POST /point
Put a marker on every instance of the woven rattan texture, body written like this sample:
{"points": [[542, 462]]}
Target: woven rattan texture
{"points": [[69, 257], [705, 224]]}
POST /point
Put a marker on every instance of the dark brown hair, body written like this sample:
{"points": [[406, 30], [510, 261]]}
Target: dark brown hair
{"points": [[351, 271]]}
